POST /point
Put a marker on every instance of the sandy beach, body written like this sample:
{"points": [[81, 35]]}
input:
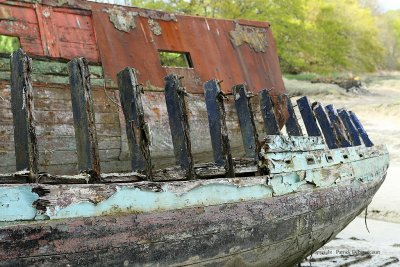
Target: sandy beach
{"points": [[379, 111]]}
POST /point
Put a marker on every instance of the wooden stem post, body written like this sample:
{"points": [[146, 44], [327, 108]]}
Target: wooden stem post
{"points": [[308, 117], [351, 129], [338, 127], [268, 114], [26, 151], [218, 130], [179, 123], [84, 118], [246, 120], [136, 127], [361, 130], [292, 125], [326, 127]]}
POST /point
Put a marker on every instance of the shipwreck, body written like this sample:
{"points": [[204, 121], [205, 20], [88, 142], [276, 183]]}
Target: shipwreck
{"points": [[134, 137]]}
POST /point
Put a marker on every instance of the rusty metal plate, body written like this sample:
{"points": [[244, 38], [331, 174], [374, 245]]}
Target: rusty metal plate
{"points": [[227, 50]]}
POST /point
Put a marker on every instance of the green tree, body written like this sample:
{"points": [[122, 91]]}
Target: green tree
{"points": [[8, 44], [341, 43], [311, 35], [390, 36]]}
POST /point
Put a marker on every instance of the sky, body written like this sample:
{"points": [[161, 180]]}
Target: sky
{"points": [[389, 4]]}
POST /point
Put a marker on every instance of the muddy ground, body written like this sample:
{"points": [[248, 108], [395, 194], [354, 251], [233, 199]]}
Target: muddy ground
{"points": [[379, 111]]}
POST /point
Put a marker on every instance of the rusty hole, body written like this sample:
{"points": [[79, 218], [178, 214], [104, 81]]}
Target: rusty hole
{"points": [[345, 156], [310, 161], [175, 59], [361, 155], [288, 161]]}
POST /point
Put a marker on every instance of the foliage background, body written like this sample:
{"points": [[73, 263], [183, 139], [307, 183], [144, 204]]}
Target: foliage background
{"points": [[321, 36]]}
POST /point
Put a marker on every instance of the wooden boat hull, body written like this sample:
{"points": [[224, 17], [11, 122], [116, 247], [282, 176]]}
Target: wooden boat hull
{"points": [[270, 231]]}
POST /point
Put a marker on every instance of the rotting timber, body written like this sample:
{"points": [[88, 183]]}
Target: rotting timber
{"points": [[125, 162]]}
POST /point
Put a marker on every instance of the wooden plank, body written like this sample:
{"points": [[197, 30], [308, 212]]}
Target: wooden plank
{"points": [[325, 124], [292, 125], [76, 35], [103, 130], [136, 127], [268, 114], [53, 143], [179, 123], [26, 150], [308, 117], [28, 33], [51, 67], [246, 121], [5, 115], [351, 129], [42, 30], [338, 126], [84, 118], [17, 13], [48, 31], [5, 64], [73, 21], [70, 50], [63, 143], [360, 129], [66, 117], [17, 28], [6, 145], [32, 49], [54, 105], [56, 157], [62, 157], [218, 130], [8, 159], [56, 93], [58, 105]]}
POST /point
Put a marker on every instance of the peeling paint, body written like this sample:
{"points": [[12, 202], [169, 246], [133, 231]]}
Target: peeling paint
{"points": [[68, 201], [155, 27], [128, 200], [16, 203], [122, 19], [255, 37]]}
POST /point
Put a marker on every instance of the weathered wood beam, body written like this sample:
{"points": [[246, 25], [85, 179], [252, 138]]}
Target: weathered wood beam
{"points": [[292, 125], [325, 124], [15, 178], [136, 126], [361, 130], [338, 127], [219, 133], [179, 123], [26, 151], [268, 114], [84, 118], [308, 116], [246, 121], [285, 143], [351, 129]]}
